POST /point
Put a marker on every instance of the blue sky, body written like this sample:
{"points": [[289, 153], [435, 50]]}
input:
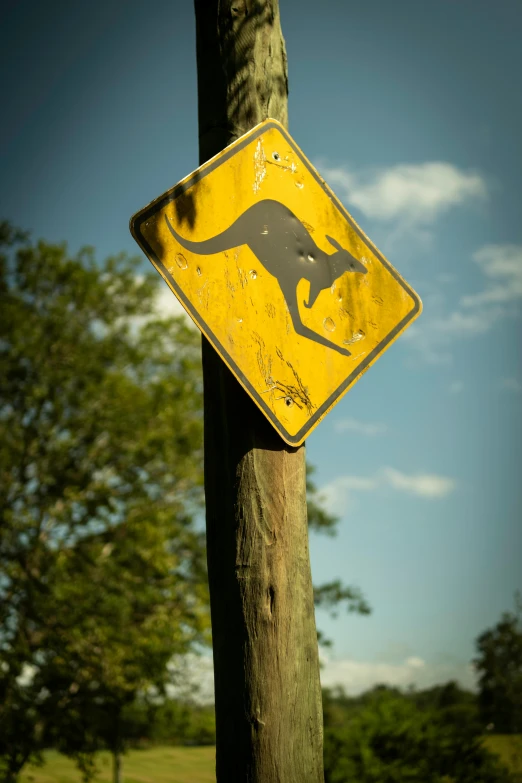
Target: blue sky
{"points": [[411, 112]]}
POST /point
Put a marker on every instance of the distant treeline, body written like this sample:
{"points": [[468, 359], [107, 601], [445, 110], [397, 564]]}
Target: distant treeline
{"points": [[178, 722], [449, 700], [384, 735], [390, 736], [171, 722]]}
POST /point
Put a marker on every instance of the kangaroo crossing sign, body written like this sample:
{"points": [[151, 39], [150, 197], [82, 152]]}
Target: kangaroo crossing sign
{"points": [[277, 275]]}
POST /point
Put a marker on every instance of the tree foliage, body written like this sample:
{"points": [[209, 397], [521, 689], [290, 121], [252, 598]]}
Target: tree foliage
{"points": [[102, 567], [169, 722], [102, 551], [499, 666], [386, 737]]}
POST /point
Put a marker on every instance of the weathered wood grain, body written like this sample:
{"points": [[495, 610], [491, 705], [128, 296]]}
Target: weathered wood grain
{"points": [[268, 697]]}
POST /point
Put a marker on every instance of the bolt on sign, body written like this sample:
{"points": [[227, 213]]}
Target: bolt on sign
{"points": [[277, 275]]}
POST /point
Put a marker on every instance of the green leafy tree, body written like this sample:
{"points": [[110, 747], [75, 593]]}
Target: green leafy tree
{"points": [[499, 666], [389, 739], [20, 727], [172, 722], [124, 609], [102, 570], [451, 702], [102, 560]]}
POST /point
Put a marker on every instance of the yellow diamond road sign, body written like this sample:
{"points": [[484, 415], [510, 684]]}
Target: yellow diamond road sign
{"points": [[277, 275]]}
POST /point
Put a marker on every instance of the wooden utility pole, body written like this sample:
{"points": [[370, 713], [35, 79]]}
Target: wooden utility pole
{"points": [[266, 667]]}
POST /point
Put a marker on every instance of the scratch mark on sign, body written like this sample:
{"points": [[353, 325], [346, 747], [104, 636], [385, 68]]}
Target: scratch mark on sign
{"points": [[297, 394], [344, 313], [265, 367], [259, 166], [242, 275], [292, 167], [228, 282], [204, 290]]}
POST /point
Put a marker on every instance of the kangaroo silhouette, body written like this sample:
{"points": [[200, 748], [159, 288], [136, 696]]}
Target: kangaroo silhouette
{"points": [[283, 245]]}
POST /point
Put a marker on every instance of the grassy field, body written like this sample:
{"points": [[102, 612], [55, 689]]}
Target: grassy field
{"points": [[509, 748], [156, 765], [193, 765]]}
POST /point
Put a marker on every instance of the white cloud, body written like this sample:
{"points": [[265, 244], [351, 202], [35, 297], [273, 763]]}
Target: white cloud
{"points": [[500, 260], [339, 493], [193, 677], [477, 313], [167, 305], [434, 335], [358, 676], [459, 324], [415, 663], [425, 485], [196, 675], [414, 194], [503, 265], [425, 339], [363, 428]]}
